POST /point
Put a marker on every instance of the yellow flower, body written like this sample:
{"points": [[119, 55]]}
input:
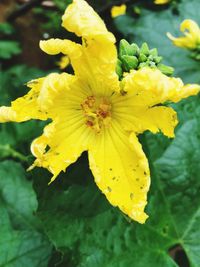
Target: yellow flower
{"points": [[90, 113], [118, 11], [64, 62], [191, 31], [161, 2]]}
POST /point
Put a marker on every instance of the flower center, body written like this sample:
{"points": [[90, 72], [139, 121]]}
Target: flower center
{"points": [[97, 112]]}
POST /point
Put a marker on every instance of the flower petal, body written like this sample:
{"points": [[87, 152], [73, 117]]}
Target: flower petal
{"points": [[72, 50], [191, 31], [55, 85], [43, 100], [81, 19], [99, 57], [26, 107], [62, 142], [153, 119], [149, 87], [121, 171]]}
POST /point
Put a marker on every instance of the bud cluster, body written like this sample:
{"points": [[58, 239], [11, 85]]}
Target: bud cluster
{"points": [[131, 57], [196, 52]]}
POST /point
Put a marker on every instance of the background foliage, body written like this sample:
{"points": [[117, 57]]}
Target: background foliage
{"points": [[70, 223]]}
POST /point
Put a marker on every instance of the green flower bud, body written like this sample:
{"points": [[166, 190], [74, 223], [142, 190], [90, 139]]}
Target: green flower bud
{"points": [[137, 10], [144, 49], [126, 49], [143, 64], [119, 70], [129, 62], [158, 59], [153, 52], [198, 47], [151, 58], [152, 64], [142, 58], [167, 70], [133, 57], [134, 49]]}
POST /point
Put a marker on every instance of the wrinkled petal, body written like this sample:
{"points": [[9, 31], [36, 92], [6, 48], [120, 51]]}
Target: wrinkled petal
{"points": [[99, 52], [53, 86], [72, 50], [44, 99], [186, 91], [81, 19], [189, 26], [121, 171], [26, 107], [149, 87]]}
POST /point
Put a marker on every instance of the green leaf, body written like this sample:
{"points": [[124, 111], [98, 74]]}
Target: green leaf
{"points": [[6, 28], [23, 248], [179, 171], [17, 193], [21, 241], [129, 62], [9, 49]]}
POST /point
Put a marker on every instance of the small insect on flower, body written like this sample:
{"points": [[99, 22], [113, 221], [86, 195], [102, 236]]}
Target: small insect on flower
{"points": [[191, 40], [117, 11], [94, 111]]}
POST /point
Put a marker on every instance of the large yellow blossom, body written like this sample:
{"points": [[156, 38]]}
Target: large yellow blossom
{"points": [[191, 31], [93, 111]]}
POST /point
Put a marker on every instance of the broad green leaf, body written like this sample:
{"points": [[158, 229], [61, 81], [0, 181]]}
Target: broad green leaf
{"points": [[21, 241], [179, 171], [6, 28], [23, 248], [17, 193], [9, 49]]}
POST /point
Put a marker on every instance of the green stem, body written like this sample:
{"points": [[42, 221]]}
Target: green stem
{"points": [[10, 152]]}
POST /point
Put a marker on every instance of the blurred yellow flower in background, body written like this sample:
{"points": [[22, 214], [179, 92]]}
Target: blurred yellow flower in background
{"points": [[118, 11], [161, 2], [191, 31], [64, 62], [93, 111]]}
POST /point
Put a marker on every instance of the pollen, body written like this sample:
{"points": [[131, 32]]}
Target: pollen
{"points": [[97, 112]]}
